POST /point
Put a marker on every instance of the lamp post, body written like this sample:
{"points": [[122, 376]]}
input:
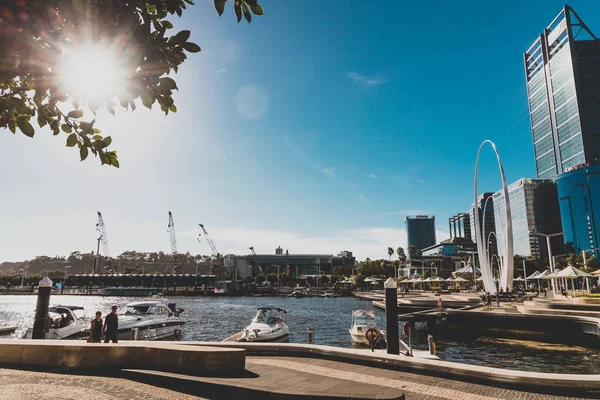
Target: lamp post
{"points": [[24, 270], [549, 245]]}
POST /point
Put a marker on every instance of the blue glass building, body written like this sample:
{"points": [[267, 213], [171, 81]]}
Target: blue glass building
{"points": [[420, 231], [579, 196]]}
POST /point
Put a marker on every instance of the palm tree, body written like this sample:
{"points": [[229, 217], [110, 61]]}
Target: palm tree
{"points": [[411, 250], [401, 256], [390, 253]]}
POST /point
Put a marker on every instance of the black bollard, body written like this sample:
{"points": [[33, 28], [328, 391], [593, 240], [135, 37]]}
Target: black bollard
{"points": [[391, 316], [41, 309]]}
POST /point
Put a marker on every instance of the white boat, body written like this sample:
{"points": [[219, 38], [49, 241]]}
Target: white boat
{"points": [[267, 326], [66, 322], [149, 320], [362, 321], [329, 293], [130, 291]]}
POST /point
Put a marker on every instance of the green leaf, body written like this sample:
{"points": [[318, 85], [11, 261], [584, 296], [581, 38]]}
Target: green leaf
{"points": [[147, 100], [220, 6], [72, 140], [168, 83], [257, 9], [75, 114], [247, 14], [182, 37], [107, 141], [191, 47], [25, 127], [114, 162], [83, 152], [66, 128], [238, 11], [167, 24], [97, 137]]}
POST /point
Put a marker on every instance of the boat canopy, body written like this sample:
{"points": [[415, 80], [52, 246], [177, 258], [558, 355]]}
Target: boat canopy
{"points": [[72, 308], [361, 313], [272, 308]]}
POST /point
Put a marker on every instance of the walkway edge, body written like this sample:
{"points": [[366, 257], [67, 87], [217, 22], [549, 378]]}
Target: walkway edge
{"points": [[488, 375]]}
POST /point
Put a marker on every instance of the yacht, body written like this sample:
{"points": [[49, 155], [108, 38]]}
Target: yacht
{"points": [[268, 325], [329, 294], [149, 320], [130, 291], [362, 321], [66, 322]]}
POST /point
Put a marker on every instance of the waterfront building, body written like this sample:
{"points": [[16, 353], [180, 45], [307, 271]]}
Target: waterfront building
{"points": [[460, 226], [485, 202], [579, 196], [298, 264], [562, 70], [420, 231], [534, 208]]}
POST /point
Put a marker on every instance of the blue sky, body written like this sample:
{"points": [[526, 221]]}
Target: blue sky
{"points": [[317, 127]]}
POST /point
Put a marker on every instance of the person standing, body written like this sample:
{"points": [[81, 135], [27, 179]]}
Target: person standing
{"points": [[111, 326], [96, 329]]}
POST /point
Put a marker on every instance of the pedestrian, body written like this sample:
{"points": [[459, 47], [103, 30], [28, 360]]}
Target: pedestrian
{"points": [[96, 329], [111, 326], [497, 300]]}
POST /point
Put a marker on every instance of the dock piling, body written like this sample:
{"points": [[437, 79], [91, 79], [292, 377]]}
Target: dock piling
{"points": [[391, 316], [41, 309]]}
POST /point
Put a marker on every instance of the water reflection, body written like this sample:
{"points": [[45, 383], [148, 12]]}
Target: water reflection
{"points": [[214, 319]]}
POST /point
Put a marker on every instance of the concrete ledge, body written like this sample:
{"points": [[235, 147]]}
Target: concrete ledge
{"points": [[170, 357], [487, 375]]}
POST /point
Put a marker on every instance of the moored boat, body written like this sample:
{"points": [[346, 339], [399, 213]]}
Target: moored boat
{"points": [[66, 322], [362, 321], [268, 325], [130, 291]]}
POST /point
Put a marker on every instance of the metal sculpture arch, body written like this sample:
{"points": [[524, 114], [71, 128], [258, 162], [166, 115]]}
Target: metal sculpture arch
{"points": [[507, 270]]}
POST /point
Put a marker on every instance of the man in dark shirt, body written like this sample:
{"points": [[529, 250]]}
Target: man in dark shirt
{"points": [[111, 325]]}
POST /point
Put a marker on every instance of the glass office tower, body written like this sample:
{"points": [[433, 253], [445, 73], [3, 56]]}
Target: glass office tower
{"points": [[562, 69], [420, 231], [579, 196], [534, 208]]}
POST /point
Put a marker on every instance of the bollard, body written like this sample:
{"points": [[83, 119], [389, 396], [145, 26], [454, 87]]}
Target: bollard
{"points": [[391, 316], [134, 333], [430, 343], [310, 336], [41, 309]]}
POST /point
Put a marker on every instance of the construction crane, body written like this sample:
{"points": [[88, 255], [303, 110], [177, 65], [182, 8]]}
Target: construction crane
{"points": [[101, 228], [255, 258], [212, 246], [173, 236]]}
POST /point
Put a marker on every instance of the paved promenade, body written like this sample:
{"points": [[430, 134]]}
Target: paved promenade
{"points": [[265, 378]]}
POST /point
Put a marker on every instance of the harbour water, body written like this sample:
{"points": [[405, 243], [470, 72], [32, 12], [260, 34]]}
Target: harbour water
{"points": [[215, 318]]}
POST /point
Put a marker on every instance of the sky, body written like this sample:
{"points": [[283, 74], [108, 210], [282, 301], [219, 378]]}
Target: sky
{"points": [[318, 127]]}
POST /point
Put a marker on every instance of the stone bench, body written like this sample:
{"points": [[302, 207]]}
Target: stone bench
{"points": [[168, 357]]}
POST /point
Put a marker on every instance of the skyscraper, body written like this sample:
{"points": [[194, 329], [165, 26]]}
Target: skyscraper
{"points": [[562, 69], [420, 231], [534, 208]]}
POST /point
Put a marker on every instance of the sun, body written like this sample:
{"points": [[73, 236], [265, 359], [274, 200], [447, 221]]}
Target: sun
{"points": [[91, 73]]}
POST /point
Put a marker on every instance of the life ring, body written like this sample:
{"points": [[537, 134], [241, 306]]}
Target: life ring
{"points": [[408, 325], [372, 335]]}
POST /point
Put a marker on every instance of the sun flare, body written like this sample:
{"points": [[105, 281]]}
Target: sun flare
{"points": [[92, 73]]}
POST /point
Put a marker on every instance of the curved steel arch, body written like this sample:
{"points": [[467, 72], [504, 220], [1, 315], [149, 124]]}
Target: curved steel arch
{"points": [[506, 278]]}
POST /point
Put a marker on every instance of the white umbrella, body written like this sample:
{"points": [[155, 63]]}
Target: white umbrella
{"points": [[534, 275], [572, 273]]}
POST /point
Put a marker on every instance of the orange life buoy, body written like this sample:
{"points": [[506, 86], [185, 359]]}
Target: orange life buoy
{"points": [[372, 335]]}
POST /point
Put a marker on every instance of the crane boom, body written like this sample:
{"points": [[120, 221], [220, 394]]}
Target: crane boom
{"points": [[212, 246], [256, 259], [173, 237]]}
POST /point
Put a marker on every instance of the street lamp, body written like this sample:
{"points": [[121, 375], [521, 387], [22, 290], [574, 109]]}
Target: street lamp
{"points": [[24, 274], [550, 259]]}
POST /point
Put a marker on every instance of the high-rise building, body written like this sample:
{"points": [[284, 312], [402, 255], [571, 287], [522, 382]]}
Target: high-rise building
{"points": [[534, 208], [485, 203], [562, 69], [579, 196], [420, 231], [460, 226]]}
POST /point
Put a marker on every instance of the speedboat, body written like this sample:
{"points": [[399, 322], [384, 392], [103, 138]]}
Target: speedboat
{"points": [[329, 294], [267, 326], [297, 294], [150, 320], [362, 321], [66, 322]]}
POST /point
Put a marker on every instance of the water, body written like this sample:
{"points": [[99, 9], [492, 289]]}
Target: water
{"points": [[214, 319]]}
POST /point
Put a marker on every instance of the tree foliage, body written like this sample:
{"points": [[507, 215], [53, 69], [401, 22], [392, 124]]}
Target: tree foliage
{"points": [[37, 36]]}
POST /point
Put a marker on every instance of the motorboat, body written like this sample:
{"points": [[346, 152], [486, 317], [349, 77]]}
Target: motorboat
{"points": [[130, 291], [362, 321], [297, 294], [66, 322], [329, 294], [268, 325], [149, 320]]}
